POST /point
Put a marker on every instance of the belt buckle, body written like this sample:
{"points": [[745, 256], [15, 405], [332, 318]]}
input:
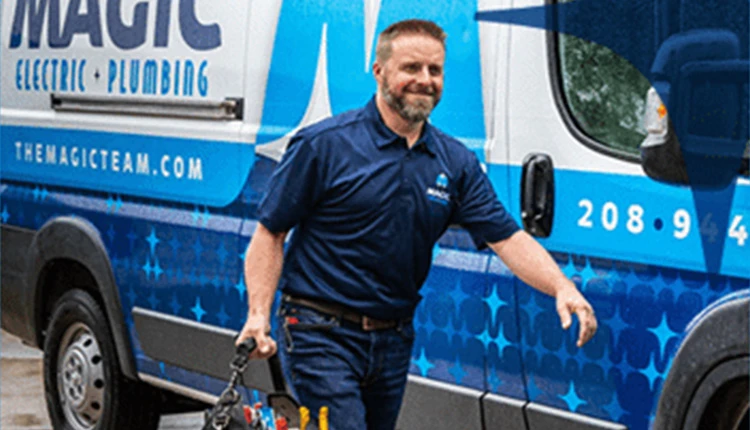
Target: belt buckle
{"points": [[368, 324]]}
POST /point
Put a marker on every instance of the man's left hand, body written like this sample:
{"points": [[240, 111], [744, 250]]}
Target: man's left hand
{"points": [[571, 301]]}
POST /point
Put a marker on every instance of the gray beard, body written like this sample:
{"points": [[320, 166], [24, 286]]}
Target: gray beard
{"points": [[411, 113]]}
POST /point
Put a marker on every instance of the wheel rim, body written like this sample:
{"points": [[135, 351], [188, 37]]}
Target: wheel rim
{"points": [[80, 377]]}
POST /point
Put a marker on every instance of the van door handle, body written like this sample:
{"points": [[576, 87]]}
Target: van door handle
{"points": [[538, 194]]}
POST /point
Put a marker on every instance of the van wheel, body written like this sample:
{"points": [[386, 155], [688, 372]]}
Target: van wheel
{"points": [[722, 401], [728, 409], [84, 387]]}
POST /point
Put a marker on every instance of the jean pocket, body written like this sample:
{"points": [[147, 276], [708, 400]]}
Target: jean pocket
{"points": [[298, 317]]}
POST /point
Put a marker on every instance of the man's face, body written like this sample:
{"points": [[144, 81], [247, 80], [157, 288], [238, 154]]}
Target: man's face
{"points": [[411, 80]]}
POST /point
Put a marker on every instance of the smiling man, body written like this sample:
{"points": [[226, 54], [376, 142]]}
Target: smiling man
{"points": [[369, 192]]}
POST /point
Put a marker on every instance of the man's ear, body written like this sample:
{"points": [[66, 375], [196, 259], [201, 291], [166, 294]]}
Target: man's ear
{"points": [[377, 71]]}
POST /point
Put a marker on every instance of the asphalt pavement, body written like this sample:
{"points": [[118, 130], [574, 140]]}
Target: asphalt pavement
{"points": [[22, 404]]}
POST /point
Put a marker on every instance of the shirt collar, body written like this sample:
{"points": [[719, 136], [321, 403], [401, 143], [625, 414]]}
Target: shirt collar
{"points": [[384, 136]]}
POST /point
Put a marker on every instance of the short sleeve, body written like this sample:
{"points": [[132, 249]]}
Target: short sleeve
{"points": [[294, 188], [479, 210]]}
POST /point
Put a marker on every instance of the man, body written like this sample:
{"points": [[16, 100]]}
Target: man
{"points": [[370, 191]]}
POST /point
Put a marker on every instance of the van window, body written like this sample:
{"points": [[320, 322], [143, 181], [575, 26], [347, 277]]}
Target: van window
{"points": [[603, 93]]}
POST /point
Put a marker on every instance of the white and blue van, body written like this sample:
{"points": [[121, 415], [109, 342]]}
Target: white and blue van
{"points": [[138, 137]]}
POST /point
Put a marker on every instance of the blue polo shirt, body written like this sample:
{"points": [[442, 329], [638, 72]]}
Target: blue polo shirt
{"points": [[368, 210]]}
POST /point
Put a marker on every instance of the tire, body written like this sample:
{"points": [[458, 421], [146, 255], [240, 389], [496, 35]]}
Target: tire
{"points": [[722, 400], [84, 387]]}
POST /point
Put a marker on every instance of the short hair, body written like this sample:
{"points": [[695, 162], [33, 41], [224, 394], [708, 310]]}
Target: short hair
{"points": [[383, 50]]}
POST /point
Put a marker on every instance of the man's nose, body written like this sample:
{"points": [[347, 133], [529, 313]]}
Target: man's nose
{"points": [[423, 77]]}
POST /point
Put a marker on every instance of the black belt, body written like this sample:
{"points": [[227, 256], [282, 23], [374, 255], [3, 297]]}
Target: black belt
{"points": [[347, 314]]}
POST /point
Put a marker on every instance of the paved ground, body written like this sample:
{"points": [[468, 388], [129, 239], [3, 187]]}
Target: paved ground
{"points": [[22, 404]]}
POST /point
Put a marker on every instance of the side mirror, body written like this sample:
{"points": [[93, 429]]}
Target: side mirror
{"points": [[699, 134]]}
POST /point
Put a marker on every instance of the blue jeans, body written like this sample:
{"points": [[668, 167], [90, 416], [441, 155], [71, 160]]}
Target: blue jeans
{"points": [[360, 375]]}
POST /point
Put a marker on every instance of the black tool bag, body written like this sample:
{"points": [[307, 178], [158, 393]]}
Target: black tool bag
{"points": [[228, 413]]}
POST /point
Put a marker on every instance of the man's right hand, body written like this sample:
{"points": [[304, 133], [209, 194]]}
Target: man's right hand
{"points": [[258, 328]]}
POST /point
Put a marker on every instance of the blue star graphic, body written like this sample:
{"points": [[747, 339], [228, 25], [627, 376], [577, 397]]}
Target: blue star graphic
{"points": [[450, 331], [494, 302], [203, 279], [651, 373], [486, 338], [457, 371], [533, 388], [196, 215], [613, 408], [617, 325], [623, 366], [465, 334], [111, 233], [153, 301], [572, 399], [5, 214], [533, 308], [198, 249], [429, 327], [157, 269], [118, 203], [240, 287], [206, 216], [174, 243], [502, 341], [197, 310], [494, 380], [569, 270], [175, 305], [43, 194], [663, 333], [192, 277], [423, 364], [458, 294], [152, 240], [109, 202], [132, 296], [222, 316], [147, 268], [564, 354], [132, 236], [222, 253], [36, 193]]}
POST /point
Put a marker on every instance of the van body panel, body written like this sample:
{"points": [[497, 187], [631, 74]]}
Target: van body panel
{"points": [[174, 198]]}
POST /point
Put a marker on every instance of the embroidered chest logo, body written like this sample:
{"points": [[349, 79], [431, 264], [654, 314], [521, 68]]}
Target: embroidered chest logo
{"points": [[439, 193]]}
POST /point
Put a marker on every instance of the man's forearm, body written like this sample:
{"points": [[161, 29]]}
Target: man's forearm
{"points": [[528, 260], [263, 262]]}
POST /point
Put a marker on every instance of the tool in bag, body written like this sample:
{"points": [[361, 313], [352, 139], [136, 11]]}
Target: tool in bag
{"points": [[229, 413]]}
